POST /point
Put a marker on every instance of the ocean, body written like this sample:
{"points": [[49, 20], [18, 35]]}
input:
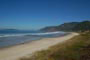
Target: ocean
{"points": [[10, 39]]}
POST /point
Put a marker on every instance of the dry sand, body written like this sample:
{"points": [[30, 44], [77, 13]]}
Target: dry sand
{"points": [[15, 52]]}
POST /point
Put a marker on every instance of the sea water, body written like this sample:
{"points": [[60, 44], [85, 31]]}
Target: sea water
{"points": [[11, 39]]}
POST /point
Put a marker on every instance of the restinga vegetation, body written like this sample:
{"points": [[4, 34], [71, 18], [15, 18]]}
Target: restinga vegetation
{"points": [[71, 26]]}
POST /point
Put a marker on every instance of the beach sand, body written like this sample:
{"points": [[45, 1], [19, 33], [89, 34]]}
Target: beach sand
{"points": [[18, 51]]}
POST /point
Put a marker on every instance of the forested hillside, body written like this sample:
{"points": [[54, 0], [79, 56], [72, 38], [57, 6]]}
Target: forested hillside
{"points": [[71, 26]]}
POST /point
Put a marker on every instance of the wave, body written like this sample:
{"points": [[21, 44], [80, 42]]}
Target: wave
{"points": [[24, 34], [47, 33]]}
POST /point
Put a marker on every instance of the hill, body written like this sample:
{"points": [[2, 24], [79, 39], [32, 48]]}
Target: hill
{"points": [[5, 31], [71, 26], [82, 26]]}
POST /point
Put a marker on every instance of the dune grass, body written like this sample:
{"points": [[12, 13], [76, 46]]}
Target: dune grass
{"points": [[77, 48]]}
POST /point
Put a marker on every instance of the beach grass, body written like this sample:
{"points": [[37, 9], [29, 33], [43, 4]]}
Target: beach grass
{"points": [[77, 48]]}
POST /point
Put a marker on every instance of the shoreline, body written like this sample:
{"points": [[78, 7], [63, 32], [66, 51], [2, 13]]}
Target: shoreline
{"points": [[1, 48], [17, 51]]}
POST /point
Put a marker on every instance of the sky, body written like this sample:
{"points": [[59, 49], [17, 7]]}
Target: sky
{"points": [[36, 14]]}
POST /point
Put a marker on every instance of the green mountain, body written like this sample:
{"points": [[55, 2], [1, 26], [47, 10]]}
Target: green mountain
{"points": [[71, 26], [82, 26]]}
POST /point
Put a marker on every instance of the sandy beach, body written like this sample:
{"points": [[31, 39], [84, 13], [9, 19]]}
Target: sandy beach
{"points": [[15, 52]]}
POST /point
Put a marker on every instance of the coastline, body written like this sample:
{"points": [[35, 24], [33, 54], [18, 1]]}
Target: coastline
{"points": [[32, 41], [17, 51]]}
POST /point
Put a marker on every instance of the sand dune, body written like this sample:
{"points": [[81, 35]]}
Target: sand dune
{"points": [[15, 52]]}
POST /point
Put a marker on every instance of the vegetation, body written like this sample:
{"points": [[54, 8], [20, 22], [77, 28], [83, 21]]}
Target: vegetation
{"points": [[77, 48], [83, 26], [72, 26]]}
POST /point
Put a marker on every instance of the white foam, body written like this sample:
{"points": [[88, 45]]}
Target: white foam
{"points": [[46, 33]]}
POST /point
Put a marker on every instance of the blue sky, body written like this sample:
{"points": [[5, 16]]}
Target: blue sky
{"points": [[35, 14]]}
